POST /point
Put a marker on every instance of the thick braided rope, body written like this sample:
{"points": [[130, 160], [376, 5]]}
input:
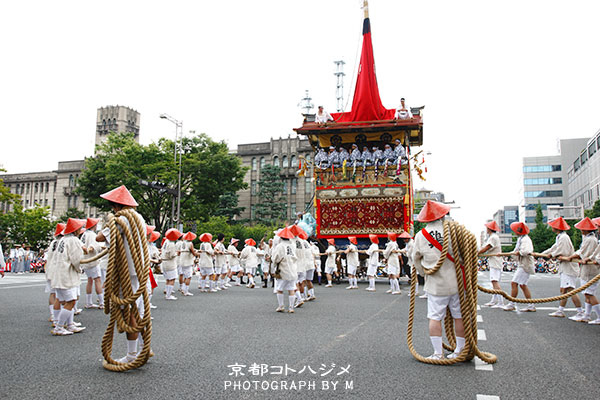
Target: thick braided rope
{"points": [[464, 245], [119, 300], [545, 299], [96, 257]]}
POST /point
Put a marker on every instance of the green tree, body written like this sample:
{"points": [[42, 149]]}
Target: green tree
{"points": [[207, 172], [32, 226], [542, 235], [272, 204], [5, 194], [72, 213], [228, 206], [594, 212]]}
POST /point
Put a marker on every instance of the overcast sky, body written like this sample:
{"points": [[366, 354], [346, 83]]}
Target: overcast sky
{"points": [[500, 79]]}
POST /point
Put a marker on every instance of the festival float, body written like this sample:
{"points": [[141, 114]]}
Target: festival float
{"points": [[358, 199]]}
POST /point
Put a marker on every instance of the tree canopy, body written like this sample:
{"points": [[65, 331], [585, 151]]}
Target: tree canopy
{"points": [[207, 172], [31, 226], [272, 204]]}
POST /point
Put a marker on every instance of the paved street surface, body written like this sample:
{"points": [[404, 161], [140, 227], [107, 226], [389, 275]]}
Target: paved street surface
{"points": [[354, 338]]}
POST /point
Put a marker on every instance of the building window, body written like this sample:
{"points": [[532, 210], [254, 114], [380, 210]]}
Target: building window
{"points": [[68, 202], [276, 161], [252, 212], [253, 188], [544, 193], [71, 180], [75, 201], [253, 163], [592, 149], [27, 191], [542, 168], [293, 210], [285, 163], [531, 219], [285, 185], [45, 202], [47, 186], [262, 162], [294, 185], [294, 161], [35, 188], [543, 181], [584, 157], [308, 186], [53, 204]]}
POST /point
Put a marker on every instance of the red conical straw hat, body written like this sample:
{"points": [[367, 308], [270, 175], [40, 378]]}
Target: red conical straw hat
{"points": [[91, 222], [432, 211], [149, 229], [331, 241], [286, 233], [205, 237], [73, 225], [586, 224], [120, 195], [154, 236], [405, 235], [596, 221], [295, 229], [560, 224], [173, 234], [352, 239], [234, 240], [250, 242], [303, 235], [392, 236], [374, 238], [190, 236], [519, 228], [60, 227], [492, 225]]}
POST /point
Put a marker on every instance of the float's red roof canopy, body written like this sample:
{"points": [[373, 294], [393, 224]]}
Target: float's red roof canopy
{"points": [[366, 103]]}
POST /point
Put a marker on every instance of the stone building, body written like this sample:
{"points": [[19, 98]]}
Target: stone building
{"points": [[116, 119], [284, 153]]}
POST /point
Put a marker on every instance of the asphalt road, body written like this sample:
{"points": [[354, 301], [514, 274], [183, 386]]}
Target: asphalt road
{"points": [[352, 337]]}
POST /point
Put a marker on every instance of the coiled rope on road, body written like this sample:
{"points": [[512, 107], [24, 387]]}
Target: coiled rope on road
{"points": [[119, 298]]}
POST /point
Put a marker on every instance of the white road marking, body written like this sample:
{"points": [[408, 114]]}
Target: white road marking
{"points": [[478, 307], [479, 318], [553, 309], [22, 286], [481, 335], [487, 397], [482, 366]]}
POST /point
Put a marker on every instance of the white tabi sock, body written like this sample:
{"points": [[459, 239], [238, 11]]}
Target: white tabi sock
{"points": [[88, 299], [169, 290], [227, 279], [101, 298], [436, 342], [298, 296], [237, 279], [588, 309], [51, 311], [579, 310], [392, 287], [396, 284], [55, 315], [597, 309], [280, 299], [63, 317], [311, 292], [372, 283], [132, 346], [499, 300], [140, 343], [291, 300], [460, 343], [329, 282], [252, 280]]}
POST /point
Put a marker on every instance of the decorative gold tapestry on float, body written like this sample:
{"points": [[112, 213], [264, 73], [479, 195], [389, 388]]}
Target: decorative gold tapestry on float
{"points": [[343, 217]]}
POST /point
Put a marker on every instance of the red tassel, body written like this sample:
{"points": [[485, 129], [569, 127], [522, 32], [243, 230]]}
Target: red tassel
{"points": [[425, 169]]}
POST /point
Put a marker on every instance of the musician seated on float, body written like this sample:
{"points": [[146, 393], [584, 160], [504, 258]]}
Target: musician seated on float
{"points": [[332, 157], [322, 116], [355, 156], [403, 112], [400, 152], [366, 157], [343, 155], [389, 155], [321, 158], [377, 155]]}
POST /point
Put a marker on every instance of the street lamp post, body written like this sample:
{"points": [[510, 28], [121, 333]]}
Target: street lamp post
{"points": [[178, 137]]}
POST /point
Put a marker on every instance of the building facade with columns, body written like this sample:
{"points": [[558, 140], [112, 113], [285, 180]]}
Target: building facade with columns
{"points": [[284, 153]]}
